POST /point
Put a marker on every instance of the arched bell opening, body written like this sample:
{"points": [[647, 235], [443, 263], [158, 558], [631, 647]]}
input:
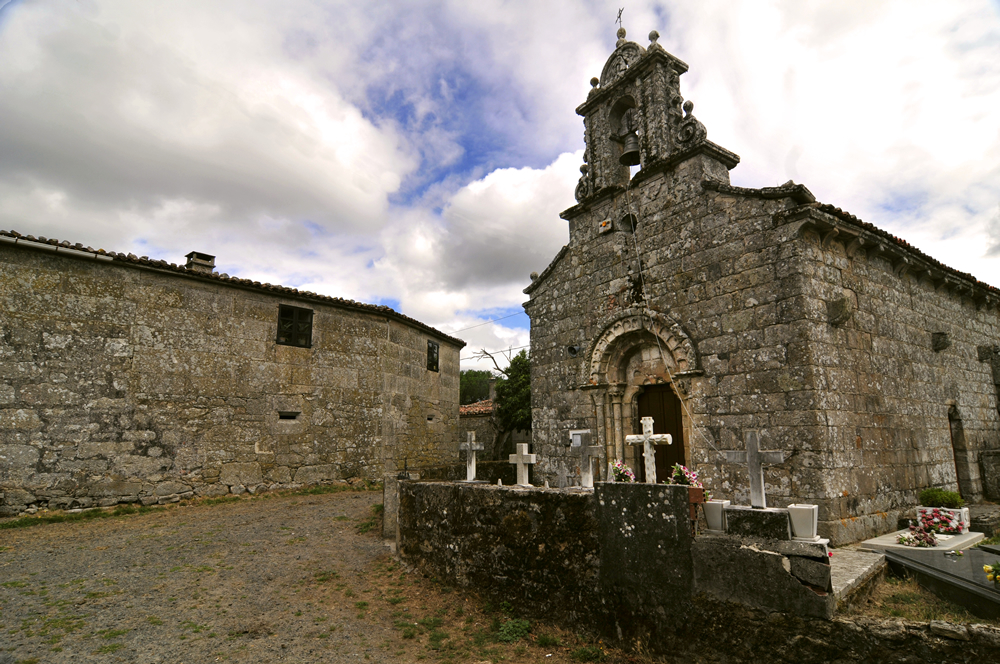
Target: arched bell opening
{"points": [[623, 121]]}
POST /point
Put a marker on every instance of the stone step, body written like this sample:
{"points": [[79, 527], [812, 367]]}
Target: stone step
{"points": [[855, 574]]}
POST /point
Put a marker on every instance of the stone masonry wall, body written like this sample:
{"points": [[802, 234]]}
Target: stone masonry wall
{"points": [[886, 392], [119, 383], [618, 562], [724, 273], [740, 296]]}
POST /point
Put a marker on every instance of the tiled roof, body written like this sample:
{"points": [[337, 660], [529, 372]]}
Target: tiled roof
{"points": [[848, 217], [484, 407], [79, 251], [800, 194]]}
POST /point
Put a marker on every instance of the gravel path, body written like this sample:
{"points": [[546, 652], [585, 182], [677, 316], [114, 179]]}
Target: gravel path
{"points": [[261, 580]]}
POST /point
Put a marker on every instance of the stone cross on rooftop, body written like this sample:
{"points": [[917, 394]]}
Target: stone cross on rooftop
{"points": [[470, 447], [580, 443], [647, 440], [523, 460], [755, 459]]}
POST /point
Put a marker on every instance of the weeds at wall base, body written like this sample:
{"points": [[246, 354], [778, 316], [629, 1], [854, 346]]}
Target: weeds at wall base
{"points": [[126, 510]]}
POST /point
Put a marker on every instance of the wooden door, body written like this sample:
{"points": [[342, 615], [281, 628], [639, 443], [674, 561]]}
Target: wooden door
{"points": [[660, 403]]}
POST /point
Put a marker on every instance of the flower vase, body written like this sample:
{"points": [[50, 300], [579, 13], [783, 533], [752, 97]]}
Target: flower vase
{"points": [[805, 522], [715, 514]]}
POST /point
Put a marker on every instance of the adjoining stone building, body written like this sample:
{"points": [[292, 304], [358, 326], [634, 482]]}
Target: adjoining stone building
{"points": [[719, 309], [129, 379]]}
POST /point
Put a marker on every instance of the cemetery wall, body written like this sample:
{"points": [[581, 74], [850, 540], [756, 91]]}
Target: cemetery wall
{"points": [[536, 550], [620, 562], [125, 379]]}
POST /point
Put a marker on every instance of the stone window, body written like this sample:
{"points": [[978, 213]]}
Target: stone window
{"points": [[294, 326], [627, 224], [433, 351]]}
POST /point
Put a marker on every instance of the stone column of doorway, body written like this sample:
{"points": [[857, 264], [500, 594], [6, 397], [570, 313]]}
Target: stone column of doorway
{"points": [[616, 392]]}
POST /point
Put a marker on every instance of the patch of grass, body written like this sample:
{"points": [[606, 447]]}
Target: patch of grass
{"points": [[995, 541], [40, 519], [361, 606], [409, 632], [153, 620], [513, 630], [14, 584], [547, 641], [430, 623], [905, 598], [220, 500], [323, 577], [588, 654], [371, 521], [435, 638], [396, 600], [111, 647]]}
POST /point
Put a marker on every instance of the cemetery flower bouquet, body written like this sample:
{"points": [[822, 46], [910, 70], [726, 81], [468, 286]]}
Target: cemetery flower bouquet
{"points": [[622, 473], [993, 573], [918, 536], [682, 475], [940, 521]]}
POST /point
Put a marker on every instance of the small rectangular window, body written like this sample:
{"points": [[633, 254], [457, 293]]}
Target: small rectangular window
{"points": [[294, 326], [433, 350]]}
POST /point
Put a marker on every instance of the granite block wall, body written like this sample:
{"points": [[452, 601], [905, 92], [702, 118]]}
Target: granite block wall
{"points": [[124, 382]]}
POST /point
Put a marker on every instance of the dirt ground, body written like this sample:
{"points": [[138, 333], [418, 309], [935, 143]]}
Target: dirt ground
{"points": [[263, 579]]}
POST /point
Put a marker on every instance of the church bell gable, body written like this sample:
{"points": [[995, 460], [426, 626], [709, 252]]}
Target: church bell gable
{"points": [[635, 114]]}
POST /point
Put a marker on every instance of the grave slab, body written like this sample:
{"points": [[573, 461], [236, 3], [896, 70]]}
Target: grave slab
{"points": [[945, 542], [959, 579]]}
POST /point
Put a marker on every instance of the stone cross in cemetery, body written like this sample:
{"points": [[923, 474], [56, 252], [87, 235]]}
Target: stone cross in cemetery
{"points": [[470, 447], [522, 459], [755, 459], [647, 440], [580, 443]]}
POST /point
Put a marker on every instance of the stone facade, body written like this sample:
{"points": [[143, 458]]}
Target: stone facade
{"points": [[125, 379], [873, 365]]}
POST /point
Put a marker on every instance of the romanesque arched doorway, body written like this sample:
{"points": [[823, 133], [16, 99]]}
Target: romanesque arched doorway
{"points": [[640, 361]]}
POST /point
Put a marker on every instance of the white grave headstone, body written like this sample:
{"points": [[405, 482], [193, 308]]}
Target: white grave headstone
{"points": [[523, 460], [580, 442], [647, 440], [470, 447], [756, 459]]}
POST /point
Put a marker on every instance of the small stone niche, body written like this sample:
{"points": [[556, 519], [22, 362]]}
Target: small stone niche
{"points": [[839, 311], [940, 341], [288, 414]]}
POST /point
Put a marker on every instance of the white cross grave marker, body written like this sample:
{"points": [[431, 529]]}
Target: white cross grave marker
{"points": [[580, 442], [755, 459], [522, 459], [470, 448], [647, 440]]}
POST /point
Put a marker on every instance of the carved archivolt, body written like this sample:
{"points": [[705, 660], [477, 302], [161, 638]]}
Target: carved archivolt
{"points": [[626, 332]]}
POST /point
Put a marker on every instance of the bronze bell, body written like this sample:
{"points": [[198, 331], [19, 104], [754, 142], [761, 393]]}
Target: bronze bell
{"points": [[630, 155]]}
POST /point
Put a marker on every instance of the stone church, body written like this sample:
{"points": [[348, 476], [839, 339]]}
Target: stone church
{"points": [[719, 310], [126, 379]]}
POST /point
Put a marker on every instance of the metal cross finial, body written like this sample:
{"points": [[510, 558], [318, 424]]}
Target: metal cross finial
{"points": [[619, 19]]}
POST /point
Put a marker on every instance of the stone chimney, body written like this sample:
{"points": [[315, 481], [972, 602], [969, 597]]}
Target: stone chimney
{"points": [[198, 262]]}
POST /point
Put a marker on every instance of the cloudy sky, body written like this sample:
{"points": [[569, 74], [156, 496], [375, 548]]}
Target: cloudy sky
{"points": [[417, 154]]}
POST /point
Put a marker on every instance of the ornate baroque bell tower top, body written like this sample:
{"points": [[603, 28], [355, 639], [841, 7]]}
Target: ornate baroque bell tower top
{"points": [[638, 96]]}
